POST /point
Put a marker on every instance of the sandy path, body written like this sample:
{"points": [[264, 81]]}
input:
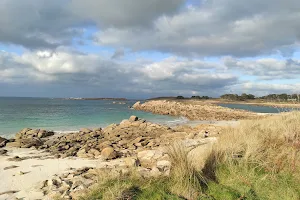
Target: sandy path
{"points": [[36, 171]]}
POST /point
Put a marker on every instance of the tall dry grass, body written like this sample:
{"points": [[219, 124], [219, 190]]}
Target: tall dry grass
{"points": [[260, 159], [185, 181], [271, 144]]}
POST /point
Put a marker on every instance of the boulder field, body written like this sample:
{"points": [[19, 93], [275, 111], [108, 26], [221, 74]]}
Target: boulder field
{"points": [[116, 140]]}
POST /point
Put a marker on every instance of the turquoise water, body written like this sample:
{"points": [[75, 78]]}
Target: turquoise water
{"points": [[257, 109], [67, 115]]}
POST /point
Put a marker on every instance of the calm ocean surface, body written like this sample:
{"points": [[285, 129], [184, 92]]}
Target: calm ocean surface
{"points": [[67, 115]]}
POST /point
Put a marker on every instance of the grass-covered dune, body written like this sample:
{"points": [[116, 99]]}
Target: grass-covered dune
{"points": [[258, 160]]}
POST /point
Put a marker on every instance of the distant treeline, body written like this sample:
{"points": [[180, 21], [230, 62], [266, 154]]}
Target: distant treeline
{"points": [[270, 97], [194, 97]]}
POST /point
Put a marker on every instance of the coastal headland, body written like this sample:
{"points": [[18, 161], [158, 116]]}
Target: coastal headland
{"points": [[137, 159], [254, 102], [193, 110]]}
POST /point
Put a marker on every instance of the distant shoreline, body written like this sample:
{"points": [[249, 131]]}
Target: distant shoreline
{"points": [[117, 99]]}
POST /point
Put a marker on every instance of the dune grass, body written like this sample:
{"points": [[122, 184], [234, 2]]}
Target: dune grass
{"points": [[260, 159], [130, 187]]}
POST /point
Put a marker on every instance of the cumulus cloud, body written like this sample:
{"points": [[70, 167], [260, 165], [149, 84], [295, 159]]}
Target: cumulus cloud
{"points": [[48, 24], [129, 13], [220, 27], [68, 67], [261, 89], [210, 28], [37, 23], [266, 68], [237, 35]]}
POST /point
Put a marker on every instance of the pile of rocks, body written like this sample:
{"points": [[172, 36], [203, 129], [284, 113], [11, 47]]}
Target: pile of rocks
{"points": [[76, 182], [70, 184], [27, 138], [193, 111], [116, 140]]}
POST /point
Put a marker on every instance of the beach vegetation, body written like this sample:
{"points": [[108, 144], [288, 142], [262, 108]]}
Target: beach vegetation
{"points": [[259, 159]]}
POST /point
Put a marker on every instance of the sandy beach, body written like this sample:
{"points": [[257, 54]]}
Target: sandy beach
{"points": [[35, 171]]}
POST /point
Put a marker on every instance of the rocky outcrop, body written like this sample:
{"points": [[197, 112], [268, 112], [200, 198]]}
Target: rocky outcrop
{"points": [[116, 140], [192, 110], [28, 133], [27, 138], [76, 182], [149, 158], [3, 142]]}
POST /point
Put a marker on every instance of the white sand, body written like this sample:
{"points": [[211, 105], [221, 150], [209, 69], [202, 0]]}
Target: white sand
{"points": [[27, 184]]}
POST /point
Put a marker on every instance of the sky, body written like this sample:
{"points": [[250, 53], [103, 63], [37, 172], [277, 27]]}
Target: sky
{"points": [[142, 49]]}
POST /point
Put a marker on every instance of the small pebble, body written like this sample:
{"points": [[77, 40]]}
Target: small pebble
{"points": [[10, 167]]}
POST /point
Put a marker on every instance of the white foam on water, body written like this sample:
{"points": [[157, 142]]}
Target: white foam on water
{"points": [[179, 121]]}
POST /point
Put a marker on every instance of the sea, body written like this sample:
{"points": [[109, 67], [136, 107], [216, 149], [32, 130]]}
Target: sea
{"points": [[68, 115]]}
